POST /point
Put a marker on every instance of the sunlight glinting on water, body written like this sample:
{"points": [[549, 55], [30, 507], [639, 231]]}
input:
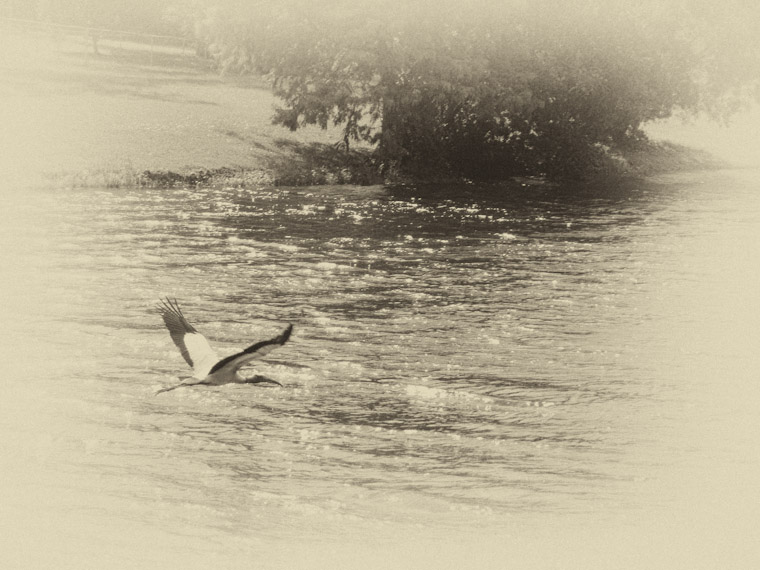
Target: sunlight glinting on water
{"points": [[456, 362]]}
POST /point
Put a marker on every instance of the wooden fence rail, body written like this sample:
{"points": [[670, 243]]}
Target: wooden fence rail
{"points": [[94, 36]]}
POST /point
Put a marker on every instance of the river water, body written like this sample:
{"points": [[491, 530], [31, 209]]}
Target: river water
{"points": [[530, 378]]}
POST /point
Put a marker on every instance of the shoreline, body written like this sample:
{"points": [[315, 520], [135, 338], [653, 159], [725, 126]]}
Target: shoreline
{"points": [[356, 169]]}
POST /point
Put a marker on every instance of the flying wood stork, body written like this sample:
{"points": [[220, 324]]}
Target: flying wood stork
{"points": [[207, 368]]}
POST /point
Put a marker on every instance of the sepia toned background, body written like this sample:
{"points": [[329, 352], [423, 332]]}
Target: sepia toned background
{"points": [[535, 375]]}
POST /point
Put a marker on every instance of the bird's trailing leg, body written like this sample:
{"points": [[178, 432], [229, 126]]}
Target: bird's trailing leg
{"points": [[187, 382]]}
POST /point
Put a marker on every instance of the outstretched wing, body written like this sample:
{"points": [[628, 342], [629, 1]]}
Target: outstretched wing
{"points": [[252, 352], [193, 345]]}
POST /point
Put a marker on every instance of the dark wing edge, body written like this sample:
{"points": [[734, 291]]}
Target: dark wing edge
{"points": [[254, 348], [177, 324]]}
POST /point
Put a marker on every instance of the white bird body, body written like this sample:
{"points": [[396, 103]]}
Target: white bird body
{"points": [[197, 352], [203, 357]]}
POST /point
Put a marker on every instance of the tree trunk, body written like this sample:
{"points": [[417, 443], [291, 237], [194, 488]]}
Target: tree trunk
{"points": [[391, 147]]}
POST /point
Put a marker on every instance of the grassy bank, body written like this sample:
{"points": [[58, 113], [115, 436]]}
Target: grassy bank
{"points": [[127, 117], [306, 165]]}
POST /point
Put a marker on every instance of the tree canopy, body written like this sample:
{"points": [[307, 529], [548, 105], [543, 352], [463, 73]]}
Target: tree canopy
{"points": [[488, 88]]}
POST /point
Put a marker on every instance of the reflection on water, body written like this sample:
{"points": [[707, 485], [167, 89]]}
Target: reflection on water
{"points": [[529, 369]]}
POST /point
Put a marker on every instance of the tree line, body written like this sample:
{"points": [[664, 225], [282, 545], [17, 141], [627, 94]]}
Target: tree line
{"points": [[489, 89], [484, 88]]}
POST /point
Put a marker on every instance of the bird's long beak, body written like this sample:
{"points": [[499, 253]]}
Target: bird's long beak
{"points": [[258, 379]]}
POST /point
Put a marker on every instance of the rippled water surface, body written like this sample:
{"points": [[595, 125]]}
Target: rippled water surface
{"points": [[533, 378]]}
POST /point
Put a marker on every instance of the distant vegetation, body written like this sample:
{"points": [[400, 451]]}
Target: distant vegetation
{"points": [[489, 89], [480, 89]]}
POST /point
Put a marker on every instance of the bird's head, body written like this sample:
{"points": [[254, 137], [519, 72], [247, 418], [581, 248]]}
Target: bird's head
{"points": [[259, 379]]}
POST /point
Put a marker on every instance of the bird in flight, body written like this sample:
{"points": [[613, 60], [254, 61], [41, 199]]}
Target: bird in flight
{"points": [[208, 369]]}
